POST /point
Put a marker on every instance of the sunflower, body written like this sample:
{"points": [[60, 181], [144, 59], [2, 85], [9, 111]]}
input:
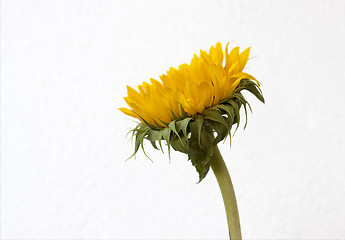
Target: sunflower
{"points": [[204, 83], [192, 109], [195, 99]]}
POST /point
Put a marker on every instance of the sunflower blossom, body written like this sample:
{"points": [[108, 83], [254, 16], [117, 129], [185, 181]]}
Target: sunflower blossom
{"points": [[210, 78], [194, 107]]}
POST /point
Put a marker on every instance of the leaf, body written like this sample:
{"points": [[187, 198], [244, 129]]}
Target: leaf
{"points": [[175, 117], [237, 113], [239, 97], [229, 109], [178, 146], [183, 113], [141, 139], [201, 155], [221, 130], [156, 135], [217, 117], [193, 130], [198, 160], [255, 90], [173, 128], [153, 143], [182, 125], [166, 135], [137, 142], [151, 126], [139, 134], [199, 120], [246, 114], [165, 123]]}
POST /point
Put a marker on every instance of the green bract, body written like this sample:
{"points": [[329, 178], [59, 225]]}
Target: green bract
{"points": [[197, 135]]}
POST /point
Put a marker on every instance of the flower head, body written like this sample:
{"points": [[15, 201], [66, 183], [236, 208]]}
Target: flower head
{"points": [[203, 83], [192, 102]]}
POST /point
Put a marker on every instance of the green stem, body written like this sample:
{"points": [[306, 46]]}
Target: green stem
{"points": [[220, 170]]}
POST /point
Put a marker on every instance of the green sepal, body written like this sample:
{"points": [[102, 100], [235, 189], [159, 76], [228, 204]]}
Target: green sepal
{"points": [[155, 135], [174, 116], [153, 143], [182, 125], [237, 112], [216, 116], [221, 131], [139, 132], [194, 135], [166, 135], [255, 90], [177, 145], [198, 122], [227, 109], [183, 112], [172, 126], [146, 123], [200, 156]]}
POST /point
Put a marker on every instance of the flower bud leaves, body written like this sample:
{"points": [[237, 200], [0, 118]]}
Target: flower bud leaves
{"points": [[196, 136]]}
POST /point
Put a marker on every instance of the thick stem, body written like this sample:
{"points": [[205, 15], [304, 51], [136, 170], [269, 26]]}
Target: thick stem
{"points": [[220, 170]]}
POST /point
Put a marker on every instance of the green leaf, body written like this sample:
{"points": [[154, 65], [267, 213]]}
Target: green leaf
{"points": [[201, 155], [137, 141], [198, 121], [141, 138], [229, 109], [217, 117], [156, 135], [151, 126], [178, 146], [153, 143], [255, 91], [195, 130], [175, 117], [173, 128], [237, 113], [221, 130], [198, 160], [239, 97], [139, 134], [182, 125], [183, 113], [166, 135], [165, 123]]}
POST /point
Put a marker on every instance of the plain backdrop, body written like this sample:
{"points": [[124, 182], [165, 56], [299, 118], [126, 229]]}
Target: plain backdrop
{"points": [[64, 69]]}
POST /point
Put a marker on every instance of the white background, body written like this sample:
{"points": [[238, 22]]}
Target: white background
{"points": [[64, 70]]}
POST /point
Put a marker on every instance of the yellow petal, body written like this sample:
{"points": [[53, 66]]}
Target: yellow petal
{"points": [[232, 58], [246, 75], [226, 52], [132, 93], [129, 112], [244, 59], [196, 86], [234, 85], [176, 77], [219, 53], [233, 69]]}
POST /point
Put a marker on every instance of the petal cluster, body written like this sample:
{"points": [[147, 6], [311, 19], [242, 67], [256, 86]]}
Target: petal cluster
{"points": [[209, 78]]}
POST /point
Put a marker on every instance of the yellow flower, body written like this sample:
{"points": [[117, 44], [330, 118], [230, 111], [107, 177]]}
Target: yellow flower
{"points": [[192, 109], [208, 80]]}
